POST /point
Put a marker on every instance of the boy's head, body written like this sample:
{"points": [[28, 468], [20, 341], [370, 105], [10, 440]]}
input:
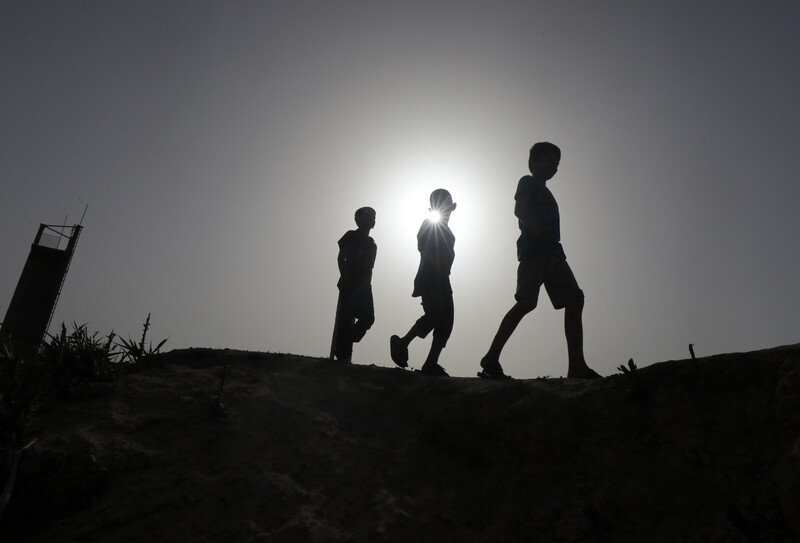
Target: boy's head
{"points": [[543, 160], [442, 201], [365, 217]]}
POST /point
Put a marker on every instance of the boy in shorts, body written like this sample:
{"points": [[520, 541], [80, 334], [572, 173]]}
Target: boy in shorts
{"points": [[435, 242], [541, 262], [356, 313]]}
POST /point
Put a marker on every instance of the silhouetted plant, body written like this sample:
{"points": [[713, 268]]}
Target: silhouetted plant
{"points": [[20, 388], [139, 354], [77, 357], [636, 388], [631, 369], [694, 361], [64, 361]]}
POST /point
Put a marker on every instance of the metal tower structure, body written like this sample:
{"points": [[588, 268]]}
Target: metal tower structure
{"points": [[34, 301]]}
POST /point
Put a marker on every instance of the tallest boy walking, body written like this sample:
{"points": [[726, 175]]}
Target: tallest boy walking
{"points": [[541, 262]]}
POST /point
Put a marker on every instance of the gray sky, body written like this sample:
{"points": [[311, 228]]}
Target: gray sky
{"points": [[222, 149]]}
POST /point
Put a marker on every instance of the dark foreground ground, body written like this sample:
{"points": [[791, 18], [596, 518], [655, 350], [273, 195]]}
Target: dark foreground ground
{"points": [[307, 450]]}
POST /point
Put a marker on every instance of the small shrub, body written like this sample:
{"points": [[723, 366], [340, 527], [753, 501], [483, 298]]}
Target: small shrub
{"points": [[636, 388], [77, 357], [139, 354]]}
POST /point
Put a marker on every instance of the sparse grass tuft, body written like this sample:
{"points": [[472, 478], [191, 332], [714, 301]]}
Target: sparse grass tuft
{"points": [[64, 362], [631, 369], [70, 359], [139, 354], [636, 388]]}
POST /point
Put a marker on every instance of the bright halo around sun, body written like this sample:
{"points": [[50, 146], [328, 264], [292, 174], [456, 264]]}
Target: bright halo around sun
{"points": [[434, 216], [407, 203]]}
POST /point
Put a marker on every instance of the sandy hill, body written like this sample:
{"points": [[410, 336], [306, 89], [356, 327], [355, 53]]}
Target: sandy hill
{"points": [[308, 450]]}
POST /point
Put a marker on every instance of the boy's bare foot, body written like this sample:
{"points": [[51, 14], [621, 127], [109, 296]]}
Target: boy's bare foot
{"points": [[398, 351], [585, 373]]}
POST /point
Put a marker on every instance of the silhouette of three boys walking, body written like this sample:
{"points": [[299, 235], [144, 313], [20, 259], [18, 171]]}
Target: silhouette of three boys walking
{"points": [[542, 261]]}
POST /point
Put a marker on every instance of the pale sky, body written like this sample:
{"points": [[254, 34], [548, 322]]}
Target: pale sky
{"points": [[223, 147]]}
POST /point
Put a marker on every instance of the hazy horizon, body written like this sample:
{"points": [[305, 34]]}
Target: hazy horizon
{"points": [[222, 150]]}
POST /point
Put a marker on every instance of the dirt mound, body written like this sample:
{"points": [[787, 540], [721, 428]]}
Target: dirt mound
{"points": [[309, 450]]}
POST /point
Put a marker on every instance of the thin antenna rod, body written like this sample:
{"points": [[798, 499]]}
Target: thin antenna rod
{"points": [[84, 214]]}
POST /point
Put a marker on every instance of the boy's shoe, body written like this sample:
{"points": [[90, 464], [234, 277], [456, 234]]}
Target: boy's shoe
{"points": [[434, 369], [345, 358], [589, 373], [491, 369], [398, 351]]}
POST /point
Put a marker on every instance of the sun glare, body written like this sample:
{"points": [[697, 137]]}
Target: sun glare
{"points": [[435, 216], [407, 205]]}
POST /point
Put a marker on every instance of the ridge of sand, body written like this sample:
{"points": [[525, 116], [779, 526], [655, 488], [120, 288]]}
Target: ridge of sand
{"points": [[309, 450]]}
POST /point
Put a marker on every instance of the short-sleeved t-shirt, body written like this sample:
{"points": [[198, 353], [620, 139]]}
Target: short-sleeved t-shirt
{"points": [[436, 244], [359, 252], [542, 205]]}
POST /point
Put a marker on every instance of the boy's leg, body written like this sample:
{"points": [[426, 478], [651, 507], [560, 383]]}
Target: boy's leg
{"points": [[365, 315], [440, 307], [398, 346], [565, 293], [573, 329], [418, 330], [423, 326], [530, 275], [360, 329], [433, 356], [507, 327]]}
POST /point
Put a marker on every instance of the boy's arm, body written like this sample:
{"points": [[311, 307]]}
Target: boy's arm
{"points": [[522, 212], [341, 260]]}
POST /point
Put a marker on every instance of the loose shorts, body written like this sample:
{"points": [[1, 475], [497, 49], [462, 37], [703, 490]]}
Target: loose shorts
{"points": [[438, 317], [551, 271]]}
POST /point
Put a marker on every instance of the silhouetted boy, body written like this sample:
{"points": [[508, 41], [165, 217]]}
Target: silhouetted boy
{"points": [[435, 242], [356, 313], [541, 261]]}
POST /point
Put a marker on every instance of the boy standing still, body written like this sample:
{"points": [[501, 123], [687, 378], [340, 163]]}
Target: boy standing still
{"points": [[355, 313], [541, 261], [435, 242]]}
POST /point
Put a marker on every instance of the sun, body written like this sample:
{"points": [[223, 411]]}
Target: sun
{"points": [[403, 203], [434, 216]]}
